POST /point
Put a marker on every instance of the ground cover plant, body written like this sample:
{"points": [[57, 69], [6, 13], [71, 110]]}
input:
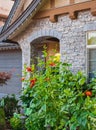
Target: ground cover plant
{"points": [[55, 98], [8, 105], [2, 119]]}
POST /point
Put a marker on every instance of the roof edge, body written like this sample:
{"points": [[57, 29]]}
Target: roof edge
{"points": [[11, 14], [29, 12]]}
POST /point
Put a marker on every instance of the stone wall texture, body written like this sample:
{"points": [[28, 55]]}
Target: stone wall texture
{"points": [[71, 34]]}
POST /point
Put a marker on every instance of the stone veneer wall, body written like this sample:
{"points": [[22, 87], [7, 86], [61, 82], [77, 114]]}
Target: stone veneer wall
{"points": [[72, 37]]}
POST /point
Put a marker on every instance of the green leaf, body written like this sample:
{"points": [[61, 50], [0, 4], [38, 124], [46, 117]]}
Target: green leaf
{"points": [[28, 111], [74, 126], [43, 108], [82, 81]]}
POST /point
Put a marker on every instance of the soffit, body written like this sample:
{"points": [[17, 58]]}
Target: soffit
{"points": [[8, 46], [15, 12], [22, 21]]}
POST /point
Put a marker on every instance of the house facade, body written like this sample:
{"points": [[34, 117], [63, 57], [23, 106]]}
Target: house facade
{"points": [[68, 26]]}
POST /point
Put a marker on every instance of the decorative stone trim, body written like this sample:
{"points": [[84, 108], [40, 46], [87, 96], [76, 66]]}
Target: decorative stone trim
{"points": [[43, 33], [90, 27]]}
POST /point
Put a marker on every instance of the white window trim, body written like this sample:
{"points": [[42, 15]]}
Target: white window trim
{"points": [[88, 47], [91, 46]]}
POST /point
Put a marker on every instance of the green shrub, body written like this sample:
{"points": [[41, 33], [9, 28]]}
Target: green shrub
{"points": [[2, 119], [55, 96], [16, 123], [10, 106]]}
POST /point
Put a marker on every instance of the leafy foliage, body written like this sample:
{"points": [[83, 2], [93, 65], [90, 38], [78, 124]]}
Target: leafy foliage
{"points": [[16, 123], [2, 119], [54, 96], [10, 105], [4, 77]]}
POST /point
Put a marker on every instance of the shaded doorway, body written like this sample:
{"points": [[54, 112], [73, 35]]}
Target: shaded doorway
{"points": [[37, 47]]}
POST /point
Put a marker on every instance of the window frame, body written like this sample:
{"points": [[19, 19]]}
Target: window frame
{"points": [[88, 48]]}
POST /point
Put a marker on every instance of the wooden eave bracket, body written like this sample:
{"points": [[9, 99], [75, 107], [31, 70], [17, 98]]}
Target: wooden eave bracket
{"points": [[93, 11], [73, 15], [53, 18], [72, 10]]}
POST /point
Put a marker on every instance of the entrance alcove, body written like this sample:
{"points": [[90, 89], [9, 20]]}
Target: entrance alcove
{"points": [[37, 47]]}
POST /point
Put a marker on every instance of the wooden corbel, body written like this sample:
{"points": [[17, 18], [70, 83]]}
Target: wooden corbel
{"points": [[53, 18], [73, 15], [93, 12]]}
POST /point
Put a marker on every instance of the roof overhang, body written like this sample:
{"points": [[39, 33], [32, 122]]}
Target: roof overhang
{"points": [[22, 21], [8, 46]]}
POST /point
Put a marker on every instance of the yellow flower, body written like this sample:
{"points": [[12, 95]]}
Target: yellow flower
{"points": [[57, 57]]}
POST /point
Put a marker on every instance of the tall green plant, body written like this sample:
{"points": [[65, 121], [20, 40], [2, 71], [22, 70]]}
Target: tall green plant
{"points": [[54, 96]]}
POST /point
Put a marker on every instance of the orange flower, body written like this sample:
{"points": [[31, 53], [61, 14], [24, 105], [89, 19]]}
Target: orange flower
{"points": [[52, 64], [23, 78], [32, 82], [88, 93], [29, 69]]}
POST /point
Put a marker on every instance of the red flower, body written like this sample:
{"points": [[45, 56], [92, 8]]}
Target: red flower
{"points": [[52, 64], [88, 93], [32, 82], [29, 69], [23, 78]]}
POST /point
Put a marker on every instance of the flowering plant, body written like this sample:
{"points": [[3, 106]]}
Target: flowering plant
{"points": [[55, 97], [4, 77]]}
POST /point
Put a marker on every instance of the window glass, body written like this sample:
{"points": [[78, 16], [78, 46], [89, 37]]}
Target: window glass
{"points": [[91, 51], [92, 63], [91, 38]]}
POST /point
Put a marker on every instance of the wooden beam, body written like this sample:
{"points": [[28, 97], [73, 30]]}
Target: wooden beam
{"points": [[72, 10]]}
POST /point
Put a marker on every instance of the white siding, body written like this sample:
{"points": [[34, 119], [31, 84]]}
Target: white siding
{"points": [[11, 60]]}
